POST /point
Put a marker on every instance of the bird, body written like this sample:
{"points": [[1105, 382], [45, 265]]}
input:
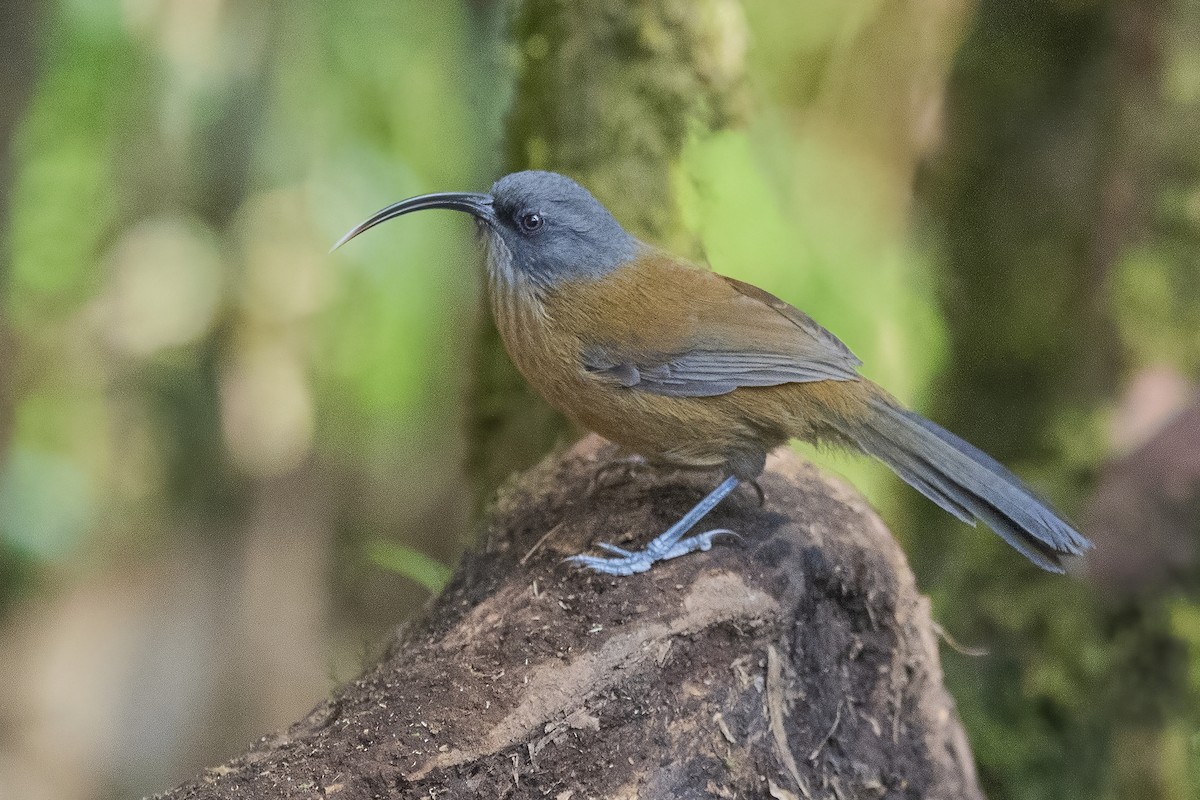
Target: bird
{"points": [[689, 369]]}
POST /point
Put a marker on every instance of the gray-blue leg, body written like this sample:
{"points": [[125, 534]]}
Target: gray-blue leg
{"points": [[670, 544]]}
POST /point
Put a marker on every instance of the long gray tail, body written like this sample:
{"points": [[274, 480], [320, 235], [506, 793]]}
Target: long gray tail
{"points": [[967, 482]]}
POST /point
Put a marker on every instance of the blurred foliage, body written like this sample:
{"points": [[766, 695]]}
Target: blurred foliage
{"points": [[180, 175], [410, 563], [184, 349]]}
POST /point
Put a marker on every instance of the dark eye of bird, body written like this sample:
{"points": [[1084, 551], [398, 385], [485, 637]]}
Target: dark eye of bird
{"points": [[530, 222]]}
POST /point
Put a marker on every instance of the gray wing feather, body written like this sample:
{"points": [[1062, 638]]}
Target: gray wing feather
{"points": [[707, 373], [807, 354]]}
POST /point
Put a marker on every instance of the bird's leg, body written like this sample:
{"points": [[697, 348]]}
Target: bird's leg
{"points": [[670, 544]]}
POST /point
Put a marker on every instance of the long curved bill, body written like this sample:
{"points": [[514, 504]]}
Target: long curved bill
{"points": [[475, 204]]}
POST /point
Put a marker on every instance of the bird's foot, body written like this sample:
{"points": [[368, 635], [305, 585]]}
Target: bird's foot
{"points": [[664, 548]]}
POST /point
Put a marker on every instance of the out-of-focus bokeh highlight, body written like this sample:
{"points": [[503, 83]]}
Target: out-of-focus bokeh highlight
{"points": [[230, 462], [213, 423]]}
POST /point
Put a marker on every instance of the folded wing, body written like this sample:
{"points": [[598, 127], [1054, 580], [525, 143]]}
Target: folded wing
{"points": [[738, 336]]}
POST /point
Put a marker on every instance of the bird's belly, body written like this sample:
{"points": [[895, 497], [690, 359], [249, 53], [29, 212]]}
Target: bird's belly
{"points": [[692, 432], [660, 429]]}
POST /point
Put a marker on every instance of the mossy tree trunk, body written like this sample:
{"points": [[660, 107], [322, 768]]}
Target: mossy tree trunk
{"points": [[1047, 192], [607, 92]]}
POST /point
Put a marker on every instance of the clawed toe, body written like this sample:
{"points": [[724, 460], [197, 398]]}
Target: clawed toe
{"points": [[631, 563], [709, 536], [700, 542], [627, 565]]}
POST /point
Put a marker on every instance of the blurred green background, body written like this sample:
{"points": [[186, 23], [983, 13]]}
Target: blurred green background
{"points": [[230, 462]]}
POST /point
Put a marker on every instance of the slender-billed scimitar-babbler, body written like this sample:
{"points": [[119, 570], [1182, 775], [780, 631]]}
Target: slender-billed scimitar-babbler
{"points": [[692, 369]]}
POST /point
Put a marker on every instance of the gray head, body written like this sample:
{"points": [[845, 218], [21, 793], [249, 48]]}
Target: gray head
{"points": [[540, 225]]}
